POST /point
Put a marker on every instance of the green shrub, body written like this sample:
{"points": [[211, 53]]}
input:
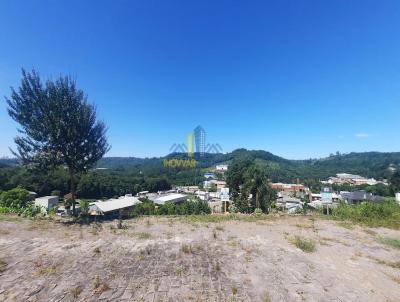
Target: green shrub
{"points": [[306, 245], [258, 211], [15, 198], [189, 207], [84, 206], [385, 214], [55, 193], [393, 242], [28, 211]]}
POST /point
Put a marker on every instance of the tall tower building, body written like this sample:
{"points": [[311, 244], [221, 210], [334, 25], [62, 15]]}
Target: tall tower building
{"points": [[200, 140]]}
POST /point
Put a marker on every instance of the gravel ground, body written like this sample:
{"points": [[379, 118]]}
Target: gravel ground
{"points": [[178, 259]]}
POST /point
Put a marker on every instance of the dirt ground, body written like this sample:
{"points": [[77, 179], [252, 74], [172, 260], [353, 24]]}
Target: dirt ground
{"points": [[174, 259]]}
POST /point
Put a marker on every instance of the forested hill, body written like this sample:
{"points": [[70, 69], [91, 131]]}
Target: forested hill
{"points": [[370, 164]]}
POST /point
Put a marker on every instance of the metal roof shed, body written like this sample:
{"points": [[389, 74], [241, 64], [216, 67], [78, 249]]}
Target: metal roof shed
{"points": [[113, 205]]}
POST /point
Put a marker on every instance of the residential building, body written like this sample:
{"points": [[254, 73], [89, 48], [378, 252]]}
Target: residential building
{"points": [[221, 168], [290, 204], [209, 175], [219, 183], [169, 198], [360, 196], [345, 178]]}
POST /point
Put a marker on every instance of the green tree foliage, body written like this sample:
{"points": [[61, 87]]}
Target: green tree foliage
{"points": [[132, 175], [378, 189], [84, 206], [395, 182], [385, 214], [192, 206], [249, 186], [15, 198], [58, 126]]}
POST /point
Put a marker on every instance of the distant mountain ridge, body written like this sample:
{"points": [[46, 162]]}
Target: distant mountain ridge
{"points": [[369, 164]]}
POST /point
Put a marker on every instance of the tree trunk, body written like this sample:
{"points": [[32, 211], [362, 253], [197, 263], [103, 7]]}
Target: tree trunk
{"points": [[72, 180], [257, 201]]}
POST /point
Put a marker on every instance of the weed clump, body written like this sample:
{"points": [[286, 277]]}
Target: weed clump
{"points": [[306, 245]]}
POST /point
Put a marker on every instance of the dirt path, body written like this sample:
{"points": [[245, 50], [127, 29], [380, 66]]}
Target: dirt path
{"points": [[169, 259]]}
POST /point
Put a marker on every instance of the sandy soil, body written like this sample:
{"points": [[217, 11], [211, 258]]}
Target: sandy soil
{"points": [[170, 259]]}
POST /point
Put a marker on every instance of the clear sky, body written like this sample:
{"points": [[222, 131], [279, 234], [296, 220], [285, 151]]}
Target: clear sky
{"points": [[300, 79]]}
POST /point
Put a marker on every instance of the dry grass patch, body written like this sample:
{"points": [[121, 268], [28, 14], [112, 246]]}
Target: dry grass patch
{"points": [[266, 297], [46, 270], [304, 226], [393, 264], [143, 235], [180, 270], [4, 232], [232, 243], [306, 245], [220, 228], [71, 246], [100, 286], [370, 232], [393, 242], [3, 265], [346, 225], [76, 291], [186, 248]]}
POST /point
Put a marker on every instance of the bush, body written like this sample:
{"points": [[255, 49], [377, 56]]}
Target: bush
{"points": [[306, 245], [84, 206], [56, 193], [15, 198], [28, 211], [232, 208], [258, 211], [189, 207], [385, 214]]}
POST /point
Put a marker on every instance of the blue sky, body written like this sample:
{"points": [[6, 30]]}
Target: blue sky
{"points": [[300, 79]]}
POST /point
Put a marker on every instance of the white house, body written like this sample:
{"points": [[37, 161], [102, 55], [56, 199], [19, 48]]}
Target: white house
{"points": [[173, 198], [221, 168], [46, 203], [398, 197]]}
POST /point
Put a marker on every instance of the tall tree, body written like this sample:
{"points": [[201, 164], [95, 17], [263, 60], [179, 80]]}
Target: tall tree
{"points": [[395, 182], [58, 126], [257, 186]]}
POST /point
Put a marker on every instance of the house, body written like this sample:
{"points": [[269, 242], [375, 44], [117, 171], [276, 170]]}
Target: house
{"points": [[360, 196], [221, 168], [46, 203], [352, 179], [142, 194], [290, 204], [220, 184], [203, 195], [113, 207], [188, 189], [209, 175], [172, 198], [282, 187]]}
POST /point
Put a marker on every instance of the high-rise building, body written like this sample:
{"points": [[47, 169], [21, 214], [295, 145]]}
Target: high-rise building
{"points": [[200, 139]]}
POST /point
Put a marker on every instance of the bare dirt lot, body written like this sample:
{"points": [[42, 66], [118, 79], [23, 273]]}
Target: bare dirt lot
{"points": [[183, 259]]}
